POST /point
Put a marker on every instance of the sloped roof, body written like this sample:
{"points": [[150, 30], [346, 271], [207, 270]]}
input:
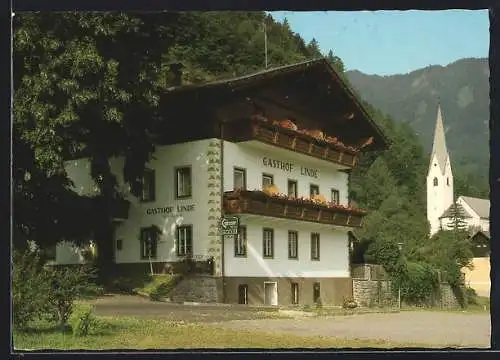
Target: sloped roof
{"points": [[449, 212], [439, 149], [254, 79], [480, 206]]}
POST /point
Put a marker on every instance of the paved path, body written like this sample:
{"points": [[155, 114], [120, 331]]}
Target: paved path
{"points": [[419, 327]]}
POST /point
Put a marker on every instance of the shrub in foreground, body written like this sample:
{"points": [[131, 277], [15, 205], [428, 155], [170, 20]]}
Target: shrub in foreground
{"points": [[30, 288], [83, 320]]}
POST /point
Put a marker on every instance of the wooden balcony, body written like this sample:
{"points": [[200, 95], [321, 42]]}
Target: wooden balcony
{"points": [[258, 203], [266, 132]]}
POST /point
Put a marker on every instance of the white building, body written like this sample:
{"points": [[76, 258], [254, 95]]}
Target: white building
{"points": [[222, 154], [476, 211], [440, 195]]}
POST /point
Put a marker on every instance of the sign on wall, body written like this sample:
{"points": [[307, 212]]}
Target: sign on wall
{"points": [[289, 167], [229, 225], [170, 209]]}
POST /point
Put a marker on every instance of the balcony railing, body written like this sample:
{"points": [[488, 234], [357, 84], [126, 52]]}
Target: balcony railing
{"points": [[289, 139], [259, 203]]}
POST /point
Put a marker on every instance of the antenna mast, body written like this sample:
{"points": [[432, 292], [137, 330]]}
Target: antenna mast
{"points": [[265, 41]]}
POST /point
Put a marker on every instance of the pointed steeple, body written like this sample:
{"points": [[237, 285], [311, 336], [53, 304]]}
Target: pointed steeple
{"points": [[439, 146]]}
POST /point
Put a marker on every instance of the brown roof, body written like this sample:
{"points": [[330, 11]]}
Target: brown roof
{"points": [[256, 79]]}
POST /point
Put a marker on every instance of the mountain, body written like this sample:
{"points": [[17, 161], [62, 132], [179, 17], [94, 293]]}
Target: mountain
{"points": [[462, 88]]}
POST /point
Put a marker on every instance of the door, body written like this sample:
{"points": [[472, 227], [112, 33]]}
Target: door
{"points": [[271, 293], [316, 292], [295, 293], [243, 294]]}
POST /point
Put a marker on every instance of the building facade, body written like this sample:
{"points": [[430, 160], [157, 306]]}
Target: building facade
{"points": [[287, 181]]}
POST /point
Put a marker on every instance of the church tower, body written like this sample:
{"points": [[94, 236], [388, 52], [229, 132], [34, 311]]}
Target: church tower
{"points": [[439, 177]]}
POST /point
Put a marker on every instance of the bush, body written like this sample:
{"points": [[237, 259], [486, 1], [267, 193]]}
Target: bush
{"points": [[83, 320], [66, 284], [420, 283], [29, 288]]}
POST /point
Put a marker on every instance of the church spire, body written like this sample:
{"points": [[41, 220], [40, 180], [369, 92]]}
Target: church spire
{"points": [[439, 149]]}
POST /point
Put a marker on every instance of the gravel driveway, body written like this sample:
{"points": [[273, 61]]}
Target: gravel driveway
{"points": [[419, 327]]}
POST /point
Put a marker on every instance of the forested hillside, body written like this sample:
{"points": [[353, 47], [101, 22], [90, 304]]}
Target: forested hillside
{"points": [[94, 81], [462, 88]]}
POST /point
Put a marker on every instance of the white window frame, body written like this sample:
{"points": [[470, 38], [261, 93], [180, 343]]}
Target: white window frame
{"points": [[315, 246], [183, 186], [268, 243], [184, 244], [335, 196], [293, 245], [243, 173], [240, 242]]}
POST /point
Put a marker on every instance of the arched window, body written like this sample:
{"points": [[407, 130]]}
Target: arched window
{"points": [[435, 181], [448, 181]]}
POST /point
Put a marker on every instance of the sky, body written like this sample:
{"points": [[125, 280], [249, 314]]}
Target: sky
{"points": [[394, 42]]}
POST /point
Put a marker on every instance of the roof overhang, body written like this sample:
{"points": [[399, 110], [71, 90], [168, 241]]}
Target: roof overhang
{"points": [[330, 93]]}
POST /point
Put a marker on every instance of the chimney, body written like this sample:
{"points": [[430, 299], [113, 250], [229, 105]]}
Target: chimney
{"points": [[176, 72]]}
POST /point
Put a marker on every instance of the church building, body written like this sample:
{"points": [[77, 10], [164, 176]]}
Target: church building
{"points": [[273, 150], [476, 211]]}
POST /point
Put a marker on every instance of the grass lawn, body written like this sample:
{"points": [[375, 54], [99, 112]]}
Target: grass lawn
{"points": [[134, 333]]}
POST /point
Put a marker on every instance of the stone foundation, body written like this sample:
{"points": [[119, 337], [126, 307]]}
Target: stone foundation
{"points": [[198, 288]]}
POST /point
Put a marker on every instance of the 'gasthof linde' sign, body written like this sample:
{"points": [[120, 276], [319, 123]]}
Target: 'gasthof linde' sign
{"points": [[229, 225], [289, 167], [170, 209]]}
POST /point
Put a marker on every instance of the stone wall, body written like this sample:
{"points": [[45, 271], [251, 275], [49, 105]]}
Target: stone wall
{"points": [[371, 288], [373, 293], [198, 288]]}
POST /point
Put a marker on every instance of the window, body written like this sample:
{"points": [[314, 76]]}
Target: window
{"points": [[119, 244], [448, 181], [239, 179], [313, 190], [268, 243], [184, 240], [295, 293], [183, 182], [335, 196], [243, 294], [148, 186], [316, 292], [314, 246], [240, 242], [293, 244], [435, 181], [267, 180], [292, 188], [149, 243]]}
